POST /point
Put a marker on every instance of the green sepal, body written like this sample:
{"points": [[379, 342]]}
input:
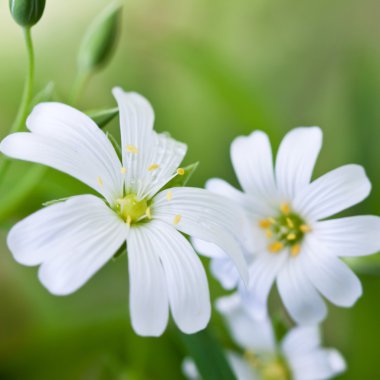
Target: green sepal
{"points": [[182, 180], [100, 39], [27, 12], [115, 144], [54, 201], [104, 116], [120, 252]]}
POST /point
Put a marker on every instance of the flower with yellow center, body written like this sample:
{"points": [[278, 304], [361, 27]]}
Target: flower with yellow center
{"points": [[288, 240], [298, 356], [73, 239]]}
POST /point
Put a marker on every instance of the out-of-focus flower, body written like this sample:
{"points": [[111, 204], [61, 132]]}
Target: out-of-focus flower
{"points": [[291, 242], [298, 357], [73, 239]]}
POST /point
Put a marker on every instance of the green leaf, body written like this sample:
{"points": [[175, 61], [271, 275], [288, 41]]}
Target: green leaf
{"points": [[103, 117], [181, 180], [46, 94], [209, 358]]}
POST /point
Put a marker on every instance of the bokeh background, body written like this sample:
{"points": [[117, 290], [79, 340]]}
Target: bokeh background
{"points": [[213, 70]]}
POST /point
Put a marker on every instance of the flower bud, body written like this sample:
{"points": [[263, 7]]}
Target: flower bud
{"points": [[100, 39], [27, 12]]}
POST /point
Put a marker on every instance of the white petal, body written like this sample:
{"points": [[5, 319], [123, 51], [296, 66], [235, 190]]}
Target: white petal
{"points": [[333, 192], [137, 137], [185, 276], [262, 274], [352, 236], [301, 339], [330, 276], [241, 368], [248, 333], [253, 163], [190, 370], [149, 303], [319, 364], [296, 158], [225, 272], [204, 215], [299, 296], [68, 140], [72, 240], [166, 155]]}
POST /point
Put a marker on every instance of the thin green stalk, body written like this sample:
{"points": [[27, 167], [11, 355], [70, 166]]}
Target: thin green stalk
{"points": [[26, 99]]}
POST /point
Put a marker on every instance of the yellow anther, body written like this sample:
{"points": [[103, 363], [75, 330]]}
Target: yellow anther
{"points": [[169, 195], [295, 250], [153, 167], [132, 149], [291, 236], [268, 234], [177, 219], [100, 181], [129, 220], [285, 208], [123, 170], [305, 228], [265, 223], [252, 359], [290, 223], [180, 171], [275, 247], [148, 213]]}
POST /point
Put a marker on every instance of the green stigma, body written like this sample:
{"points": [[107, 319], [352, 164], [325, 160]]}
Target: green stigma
{"points": [[287, 229], [131, 209]]}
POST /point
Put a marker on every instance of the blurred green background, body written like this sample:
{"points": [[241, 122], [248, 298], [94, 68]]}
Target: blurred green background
{"points": [[212, 70]]}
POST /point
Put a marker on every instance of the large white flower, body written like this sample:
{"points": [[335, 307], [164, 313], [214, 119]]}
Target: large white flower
{"points": [[299, 356], [291, 242], [73, 239]]}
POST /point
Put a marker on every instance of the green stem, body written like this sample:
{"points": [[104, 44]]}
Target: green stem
{"points": [[24, 107], [79, 84], [23, 110]]}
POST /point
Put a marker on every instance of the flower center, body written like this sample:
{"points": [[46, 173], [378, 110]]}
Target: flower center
{"points": [[287, 229], [131, 209], [272, 368]]}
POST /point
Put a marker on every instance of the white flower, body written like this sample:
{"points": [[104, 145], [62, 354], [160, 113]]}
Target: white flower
{"points": [[73, 239], [299, 356], [290, 240]]}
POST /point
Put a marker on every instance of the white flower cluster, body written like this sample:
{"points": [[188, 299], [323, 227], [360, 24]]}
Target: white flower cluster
{"points": [[275, 230]]}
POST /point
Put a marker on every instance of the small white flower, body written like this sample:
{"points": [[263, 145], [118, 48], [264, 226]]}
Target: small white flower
{"points": [[298, 357], [290, 241], [73, 239]]}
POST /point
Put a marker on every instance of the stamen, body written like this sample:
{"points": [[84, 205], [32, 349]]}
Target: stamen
{"points": [[132, 149], [265, 223], [129, 220], [276, 247], [100, 181], [123, 170], [169, 195], [252, 359], [295, 250], [148, 213], [153, 167], [291, 236], [180, 171], [305, 228], [285, 208], [290, 223], [177, 219]]}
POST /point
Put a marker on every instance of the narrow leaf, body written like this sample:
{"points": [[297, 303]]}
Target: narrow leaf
{"points": [[103, 117]]}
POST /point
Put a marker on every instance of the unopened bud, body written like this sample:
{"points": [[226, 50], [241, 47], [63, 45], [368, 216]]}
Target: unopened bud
{"points": [[100, 39], [27, 12]]}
